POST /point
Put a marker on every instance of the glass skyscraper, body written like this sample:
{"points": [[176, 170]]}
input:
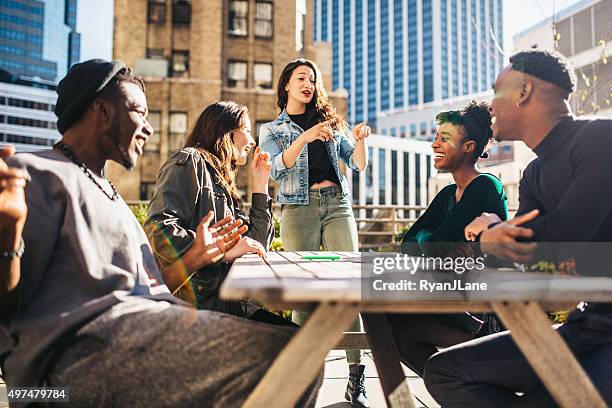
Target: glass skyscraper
{"points": [[392, 54], [38, 43], [38, 39]]}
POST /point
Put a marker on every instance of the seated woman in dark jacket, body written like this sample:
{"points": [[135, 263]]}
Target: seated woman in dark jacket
{"points": [[461, 139], [200, 179]]}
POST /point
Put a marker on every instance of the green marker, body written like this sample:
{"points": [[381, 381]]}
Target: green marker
{"points": [[322, 257]]}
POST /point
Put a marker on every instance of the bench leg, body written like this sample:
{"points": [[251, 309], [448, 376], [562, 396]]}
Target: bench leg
{"points": [[548, 354], [387, 359], [299, 362]]}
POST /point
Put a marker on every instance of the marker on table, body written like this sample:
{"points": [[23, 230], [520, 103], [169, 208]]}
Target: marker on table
{"points": [[322, 257]]}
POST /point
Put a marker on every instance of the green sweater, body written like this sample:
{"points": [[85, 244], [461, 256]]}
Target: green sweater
{"points": [[445, 219]]}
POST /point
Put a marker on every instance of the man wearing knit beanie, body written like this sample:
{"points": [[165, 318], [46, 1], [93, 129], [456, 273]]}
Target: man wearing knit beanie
{"points": [[89, 103], [86, 308]]}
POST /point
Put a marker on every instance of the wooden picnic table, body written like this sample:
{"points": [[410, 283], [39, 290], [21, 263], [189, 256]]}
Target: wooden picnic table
{"points": [[333, 291]]}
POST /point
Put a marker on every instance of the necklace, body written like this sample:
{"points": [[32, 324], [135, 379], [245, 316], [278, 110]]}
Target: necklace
{"points": [[70, 154]]}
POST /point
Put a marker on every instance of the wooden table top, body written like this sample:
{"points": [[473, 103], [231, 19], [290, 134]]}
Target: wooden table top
{"points": [[288, 278]]}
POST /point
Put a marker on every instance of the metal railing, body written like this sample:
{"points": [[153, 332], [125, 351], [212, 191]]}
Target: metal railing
{"points": [[377, 225]]}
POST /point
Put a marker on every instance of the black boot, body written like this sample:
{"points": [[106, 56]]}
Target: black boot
{"points": [[355, 389]]}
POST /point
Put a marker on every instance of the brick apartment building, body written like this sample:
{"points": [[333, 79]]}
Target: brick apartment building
{"points": [[193, 53]]}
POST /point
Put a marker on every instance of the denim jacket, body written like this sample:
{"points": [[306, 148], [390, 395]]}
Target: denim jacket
{"points": [[276, 136]]}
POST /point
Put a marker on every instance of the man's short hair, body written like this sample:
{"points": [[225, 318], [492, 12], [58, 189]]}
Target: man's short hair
{"points": [[547, 66], [111, 92]]}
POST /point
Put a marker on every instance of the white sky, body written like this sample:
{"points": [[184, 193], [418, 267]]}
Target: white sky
{"points": [[95, 22]]}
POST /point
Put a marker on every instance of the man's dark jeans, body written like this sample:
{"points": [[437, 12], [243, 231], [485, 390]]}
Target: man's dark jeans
{"points": [[489, 371]]}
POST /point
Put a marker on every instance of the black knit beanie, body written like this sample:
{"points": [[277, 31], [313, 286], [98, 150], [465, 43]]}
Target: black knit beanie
{"points": [[79, 88]]}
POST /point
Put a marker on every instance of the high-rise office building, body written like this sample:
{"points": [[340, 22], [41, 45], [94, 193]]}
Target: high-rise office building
{"points": [[397, 174], [392, 54], [38, 39], [38, 43], [27, 120]]}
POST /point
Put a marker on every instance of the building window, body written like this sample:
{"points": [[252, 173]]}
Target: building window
{"points": [[263, 19], [22, 103], [417, 178], [407, 185], [300, 22], [382, 175], [601, 14], [157, 11], [16, 120], [155, 53], [583, 36], [29, 140], [355, 185], [236, 74], [424, 130], [369, 182], [413, 130], [394, 186], [238, 14], [263, 75], [181, 11], [428, 175], [177, 129], [154, 119], [180, 63]]}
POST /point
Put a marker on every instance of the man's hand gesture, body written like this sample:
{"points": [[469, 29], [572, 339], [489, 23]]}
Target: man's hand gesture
{"points": [[501, 240]]}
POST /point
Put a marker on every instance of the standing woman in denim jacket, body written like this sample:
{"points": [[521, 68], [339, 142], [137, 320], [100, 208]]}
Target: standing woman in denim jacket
{"points": [[305, 143]]}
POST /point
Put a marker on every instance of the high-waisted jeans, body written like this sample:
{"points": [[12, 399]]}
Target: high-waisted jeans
{"points": [[326, 222]]}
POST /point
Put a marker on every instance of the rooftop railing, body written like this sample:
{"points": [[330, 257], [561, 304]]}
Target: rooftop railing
{"points": [[378, 226]]}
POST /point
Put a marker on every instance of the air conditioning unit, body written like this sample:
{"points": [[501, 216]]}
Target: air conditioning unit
{"points": [[151, 67]]}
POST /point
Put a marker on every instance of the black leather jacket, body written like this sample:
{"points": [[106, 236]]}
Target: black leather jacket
{"points": [[187, 188]]}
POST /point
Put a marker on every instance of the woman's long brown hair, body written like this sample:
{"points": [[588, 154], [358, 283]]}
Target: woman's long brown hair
{"points": [[212, 136], [319, 106]]}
